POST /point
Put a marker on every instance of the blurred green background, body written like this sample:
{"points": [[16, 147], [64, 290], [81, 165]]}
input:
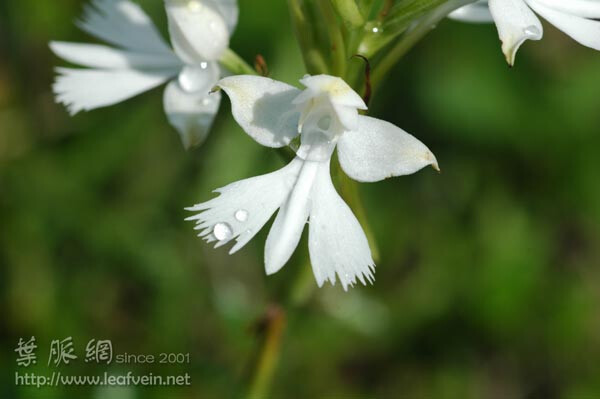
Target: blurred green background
{"points": [[488, 282]]}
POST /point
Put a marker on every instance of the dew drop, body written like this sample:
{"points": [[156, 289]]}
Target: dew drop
{"points": [[241, 215], [222, 231], [192, 79], [204, 65]]}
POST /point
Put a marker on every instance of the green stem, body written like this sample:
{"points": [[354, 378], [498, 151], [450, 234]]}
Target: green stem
{"points": [[412, 37], [269, 353], [313, 59], [236, 64], [336, 39], [348, 10]]}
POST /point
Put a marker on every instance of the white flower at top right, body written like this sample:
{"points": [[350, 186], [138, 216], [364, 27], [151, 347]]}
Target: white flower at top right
{"points": [[516, 21]]}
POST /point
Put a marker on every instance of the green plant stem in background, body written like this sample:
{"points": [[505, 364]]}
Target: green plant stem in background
{"points": [[337, 46], [313, 59], [236, 64], [269, 353], [396, 21], [304, 286], [349, 12], [412, 37]]}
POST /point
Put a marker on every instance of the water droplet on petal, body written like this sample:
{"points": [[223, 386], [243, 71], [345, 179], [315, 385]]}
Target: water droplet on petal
{"points": [[222, 231], [532, 31], [241, 215], [193, 78]]}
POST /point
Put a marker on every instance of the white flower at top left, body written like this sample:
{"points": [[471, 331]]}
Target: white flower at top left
{"points": [[142, 59]]}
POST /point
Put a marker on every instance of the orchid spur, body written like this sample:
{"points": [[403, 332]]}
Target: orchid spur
{"points": [[516, 21], [324, 115], [142, 60]]}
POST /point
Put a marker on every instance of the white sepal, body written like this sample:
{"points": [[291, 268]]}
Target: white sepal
{"points": [[580, 8], [263, 108], [582, 30], [191, 114], [229, 10], [516, 23], [378, 150], [198, 31]]}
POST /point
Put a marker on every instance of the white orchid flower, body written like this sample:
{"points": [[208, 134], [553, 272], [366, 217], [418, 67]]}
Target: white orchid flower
{"points": [[516, 21], [325, 115], [142, 60]]}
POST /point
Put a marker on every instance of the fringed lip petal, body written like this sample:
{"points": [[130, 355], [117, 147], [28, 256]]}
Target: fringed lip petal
{"points": [[244, 207], [86, 89], [516, 23], [337, 243], [123, 23], [99, 56], [291, 219]]}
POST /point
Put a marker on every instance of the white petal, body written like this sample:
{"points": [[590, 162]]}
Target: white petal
{"points": [[123, 23], [581, 8], [86, 89], [99, 56], [289, 224], [478, 12], [229, 10], [192, 114], [339, 91], [348, 116], [263, 108], [198, 32], [378, 150], [329, 91], [584, 31], [245, 206], [336, 241], [516, 23]]}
